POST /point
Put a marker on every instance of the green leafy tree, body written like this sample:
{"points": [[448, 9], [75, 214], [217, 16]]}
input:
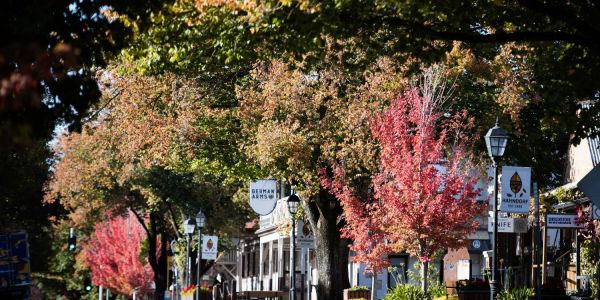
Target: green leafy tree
{"points": [[297, 122], [143, 151]]}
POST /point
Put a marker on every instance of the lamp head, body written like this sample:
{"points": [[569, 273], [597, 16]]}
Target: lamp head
{"points": [[200, 218], [293, 202], [495, 141], [189, 225]]}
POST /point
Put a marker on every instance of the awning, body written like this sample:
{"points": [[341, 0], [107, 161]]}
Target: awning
{"points": [[478, 246]]}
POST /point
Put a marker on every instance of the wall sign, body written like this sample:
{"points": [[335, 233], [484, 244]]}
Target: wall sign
{"points": [[561, 221], [510, 225], [515, 183]]}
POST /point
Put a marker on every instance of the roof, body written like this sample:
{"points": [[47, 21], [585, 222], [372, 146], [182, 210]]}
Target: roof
{"points": [[593, 142]]}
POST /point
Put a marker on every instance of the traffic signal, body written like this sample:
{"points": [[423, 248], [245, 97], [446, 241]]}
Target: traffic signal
{"points": [[87, 285], [72, 241]]}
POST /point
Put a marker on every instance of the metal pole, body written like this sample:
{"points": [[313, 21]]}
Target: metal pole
{"points": [[578, 259], [493, 283], [293, 262], [302, 271], [187, 261], [199, 266], [538, 280]]}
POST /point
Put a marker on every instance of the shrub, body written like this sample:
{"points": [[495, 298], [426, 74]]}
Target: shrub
{"points": [[407, 292], [473, 284], [516, 294], [437, 289], [359, 288]]}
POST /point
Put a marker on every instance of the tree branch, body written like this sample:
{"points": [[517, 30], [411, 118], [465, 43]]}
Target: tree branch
{"points": [[473, 37], [561, 14], [173, 222]]}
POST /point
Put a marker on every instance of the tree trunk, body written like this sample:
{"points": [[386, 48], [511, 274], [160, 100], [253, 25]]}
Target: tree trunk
{"points": [[424, 275], [324, 215], [157, 261]]}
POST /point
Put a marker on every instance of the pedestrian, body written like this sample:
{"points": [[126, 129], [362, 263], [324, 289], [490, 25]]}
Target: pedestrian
{"points": [[217, 288]]}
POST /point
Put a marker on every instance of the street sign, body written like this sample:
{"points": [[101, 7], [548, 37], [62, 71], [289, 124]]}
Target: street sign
{"points": [[515, 189], [510, 225], [209, 247], [561, 221], [263, 196], [304, 235], [589, 185]]}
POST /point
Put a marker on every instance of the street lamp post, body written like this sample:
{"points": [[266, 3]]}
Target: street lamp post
{"points": [[200, 223], [292, 203], [188, 226], [495, 141]]}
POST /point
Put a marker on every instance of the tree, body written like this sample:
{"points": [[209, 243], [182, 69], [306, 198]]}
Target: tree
{"points": [[144, 150], [296, 122], [559, 39], [47, 53], [113, 256], [415, 206]]}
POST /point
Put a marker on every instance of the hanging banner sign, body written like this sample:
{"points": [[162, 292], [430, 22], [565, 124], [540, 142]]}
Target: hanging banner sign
{"points": [[263, 196], [510, 225], [304, 235], [515, 185], [561, 221], [209, 247]]}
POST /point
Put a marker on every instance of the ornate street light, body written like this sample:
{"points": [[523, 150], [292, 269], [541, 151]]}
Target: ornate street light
{"points": [[200, 218], [495, 141], [292, 203], [188, 227]]}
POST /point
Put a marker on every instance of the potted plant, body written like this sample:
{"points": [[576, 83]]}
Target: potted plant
{"points": [[187, 293], [357, 292], [474, 289]]}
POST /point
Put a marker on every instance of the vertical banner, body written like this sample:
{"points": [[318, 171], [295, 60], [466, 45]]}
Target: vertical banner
{"points": [[304, 235], [209, 247], [515, 185]]}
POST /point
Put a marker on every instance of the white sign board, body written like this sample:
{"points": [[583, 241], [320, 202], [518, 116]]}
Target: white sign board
{"points": [[510, 225], [263, 196], [515, 183], [463, 269], [304, 235], [209, 247], [561, 221]]}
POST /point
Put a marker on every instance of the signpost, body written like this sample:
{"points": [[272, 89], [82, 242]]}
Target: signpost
{"points": [[515, 189], [263, 196], [209, 247]]}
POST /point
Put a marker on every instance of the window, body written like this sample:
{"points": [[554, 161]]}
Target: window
{"points": [[399, 267]]}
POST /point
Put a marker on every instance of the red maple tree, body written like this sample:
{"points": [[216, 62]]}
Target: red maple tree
{"points": [[423, 198], [113, 256]]}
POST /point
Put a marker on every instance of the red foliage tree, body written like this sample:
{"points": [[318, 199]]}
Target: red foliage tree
{"points": [[415, 206], [113, 256]]}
